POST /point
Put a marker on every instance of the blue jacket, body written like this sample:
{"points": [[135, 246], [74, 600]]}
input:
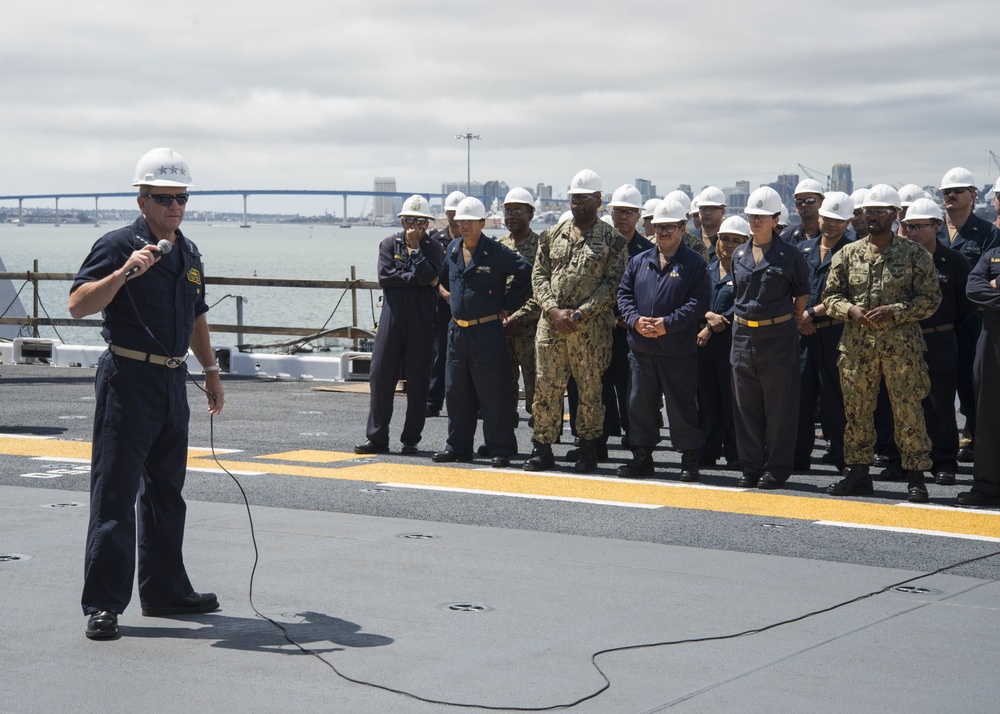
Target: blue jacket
{"points": [[974, 238], [679, 293], [766, 290], [480, 288]]}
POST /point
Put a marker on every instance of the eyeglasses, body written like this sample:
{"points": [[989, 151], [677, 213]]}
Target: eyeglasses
{"points": [[625, 211], [514, 212], [581, 197], [879, 211], [919, 226], [806, 201], [731, 240], [165, 199], [666, 228], [957, 191], [410, 220]]}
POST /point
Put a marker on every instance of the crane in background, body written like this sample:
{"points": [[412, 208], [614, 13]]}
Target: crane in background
{"points": [[809, 172]]}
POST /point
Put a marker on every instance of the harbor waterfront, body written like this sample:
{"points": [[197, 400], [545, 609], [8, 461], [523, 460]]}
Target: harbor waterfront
{"points": [[267, 250]]}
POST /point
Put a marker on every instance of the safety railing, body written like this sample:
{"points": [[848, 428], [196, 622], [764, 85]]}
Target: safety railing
{"points": [[351, 332]]}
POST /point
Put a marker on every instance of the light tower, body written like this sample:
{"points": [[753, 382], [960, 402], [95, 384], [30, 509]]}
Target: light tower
{"points": [[468, 136]]}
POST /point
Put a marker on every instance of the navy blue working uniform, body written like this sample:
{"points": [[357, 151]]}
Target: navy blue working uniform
{"points": [[442, 319], [796, 235], [986, 471], [819, 376], [715, 374], [765, 357], [679, 292], [615, 380], [140, 425], [939, 332], [973, 240], [478, 374], [405, 335]]}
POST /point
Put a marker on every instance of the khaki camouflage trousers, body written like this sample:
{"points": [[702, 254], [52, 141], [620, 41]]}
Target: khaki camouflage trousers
{"points": [[863, 362], [583, 354], [522, 363]]}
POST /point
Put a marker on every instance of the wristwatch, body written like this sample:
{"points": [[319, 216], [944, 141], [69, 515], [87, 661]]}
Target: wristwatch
{"points": [[577, 315]]}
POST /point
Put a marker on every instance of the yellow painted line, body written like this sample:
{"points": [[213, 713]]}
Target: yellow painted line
{"points": [[78, 450], [747, 502], [312, 456]]}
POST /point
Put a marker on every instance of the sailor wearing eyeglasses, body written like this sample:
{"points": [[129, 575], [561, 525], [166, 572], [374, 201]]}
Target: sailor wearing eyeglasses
{"points": [[808, 197], [152, 302], [409, 268], [971, 236]]}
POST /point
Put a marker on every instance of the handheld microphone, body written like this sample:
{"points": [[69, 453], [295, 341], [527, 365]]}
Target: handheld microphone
{"points": [[163, 247]]}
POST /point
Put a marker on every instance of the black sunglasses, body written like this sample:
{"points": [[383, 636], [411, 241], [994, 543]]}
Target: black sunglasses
{"points": [[806, 201], [956, 191], [410, 220], [165, 199]]}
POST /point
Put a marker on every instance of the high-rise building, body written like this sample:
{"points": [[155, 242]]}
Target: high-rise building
{"points": [[736, 197], [841, 179], [646, 189], [543, 191], [686, 188], [785, 186], [463, 186], [386, 206], [494, 190]]}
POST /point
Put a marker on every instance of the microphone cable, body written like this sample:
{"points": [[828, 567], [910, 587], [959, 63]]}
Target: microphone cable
{"points": [[593, 657]]}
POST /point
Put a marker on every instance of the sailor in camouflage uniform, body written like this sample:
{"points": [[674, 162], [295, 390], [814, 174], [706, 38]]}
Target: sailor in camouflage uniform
{"points": [[520, 327], [882, 286], [575, 280]]}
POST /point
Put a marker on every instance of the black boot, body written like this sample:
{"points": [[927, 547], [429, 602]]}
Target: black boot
{"points": [[541, 458], [586, 462], [689, 466], [856, 482], [641, 465], [917, 487]]}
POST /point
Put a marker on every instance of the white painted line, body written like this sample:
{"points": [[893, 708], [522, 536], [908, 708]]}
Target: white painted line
{"points": [[61, 459], [520, 495], [953, 509], [24, 436], [917, 531], [220, 471], [208, 450]]}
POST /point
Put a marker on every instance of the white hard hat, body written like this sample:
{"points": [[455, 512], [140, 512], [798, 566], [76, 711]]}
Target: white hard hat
{"points": [[996, 186], [958, 178], [162, 167], [808, 186], [764, 201], [649, 207], [470, 209], [923, 209], [782, 215], [670, 210], [910, 193], [566, 216], [608, 219], [859, 197], [694, 205], [626, 196], [453, 198], [735, 224], [837, 204], [519, 195], [416, 206], [881, 194], [585, 181], [712, 196], [681, 197]]}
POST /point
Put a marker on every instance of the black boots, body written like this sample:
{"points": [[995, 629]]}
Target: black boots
{"points": [[689, 466], [856, 482], [541, 458], [641, 465]]}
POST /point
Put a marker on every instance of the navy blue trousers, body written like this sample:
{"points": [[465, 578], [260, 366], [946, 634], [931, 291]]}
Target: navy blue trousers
{"points": [[766, 397], [139, 451], [478, 383], [986, 470], [439, 360], [820, 379], [403, 347], [676, 378], [715, 397]]}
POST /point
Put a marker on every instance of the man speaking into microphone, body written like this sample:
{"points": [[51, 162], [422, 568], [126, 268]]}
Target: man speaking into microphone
{"points": [[147, 282]]}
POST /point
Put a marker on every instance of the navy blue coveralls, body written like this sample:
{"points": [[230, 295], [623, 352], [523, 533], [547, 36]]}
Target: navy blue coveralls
{"points": [[818, 354], [795, 235], [435, 395], [942, 349], [478, 374], [140, 425], [715, 375], [986, 470], [668, 364], [615, 380], [405, 335], [973, 240], [765, 358]]}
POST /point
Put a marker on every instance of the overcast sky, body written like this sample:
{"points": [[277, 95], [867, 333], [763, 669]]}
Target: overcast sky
{"points": [[327, 95]]}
